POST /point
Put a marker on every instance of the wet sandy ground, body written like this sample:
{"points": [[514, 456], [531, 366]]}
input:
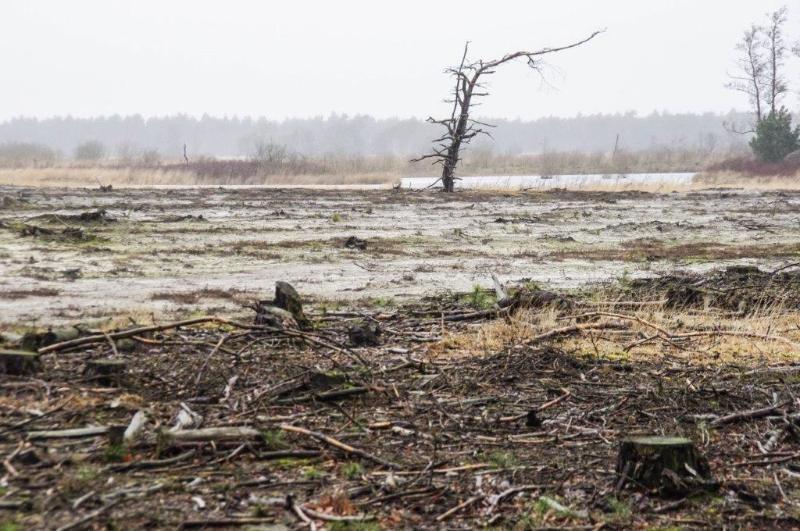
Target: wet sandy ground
{"points": [[160, 259]]}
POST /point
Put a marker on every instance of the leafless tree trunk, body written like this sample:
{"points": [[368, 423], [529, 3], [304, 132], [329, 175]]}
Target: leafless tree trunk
{"points": [[752, 67], [776, 53], [460, 129], [759, 72]]}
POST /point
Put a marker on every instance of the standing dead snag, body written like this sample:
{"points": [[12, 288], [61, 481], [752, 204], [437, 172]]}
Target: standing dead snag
{"points": [[460, 129]]}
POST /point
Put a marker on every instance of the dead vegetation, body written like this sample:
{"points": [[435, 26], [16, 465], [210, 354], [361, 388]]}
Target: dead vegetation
{"points": [[452, 416]]}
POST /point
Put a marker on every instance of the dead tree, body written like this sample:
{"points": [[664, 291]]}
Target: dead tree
{"points": [[460, 129]]}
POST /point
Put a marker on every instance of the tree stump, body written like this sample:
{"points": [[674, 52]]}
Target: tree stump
{"points": [[35, 340], [106, 371], [19, 362], [286, 297], [670, 465], [365, 333]]}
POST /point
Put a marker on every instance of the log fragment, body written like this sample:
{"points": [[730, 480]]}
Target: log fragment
{"points": [[19, 362], [237, 434], [669, 465], [107, 371]]}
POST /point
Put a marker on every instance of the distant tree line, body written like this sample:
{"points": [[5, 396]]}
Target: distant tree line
{"points": [[139, 140]]}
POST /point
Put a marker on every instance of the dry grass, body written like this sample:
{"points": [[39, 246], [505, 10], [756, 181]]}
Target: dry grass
{"points": [[727, 179], [365, 175], [132, 177], [501, 335]]}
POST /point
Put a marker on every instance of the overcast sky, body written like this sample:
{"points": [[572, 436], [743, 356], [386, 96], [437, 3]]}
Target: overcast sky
{"points": [[301, 58]]}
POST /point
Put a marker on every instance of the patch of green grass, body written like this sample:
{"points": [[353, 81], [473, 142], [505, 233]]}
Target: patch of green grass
{"points": [[312, 473], [274, 439], [530, 285], [503, 459], [621, 510], [336, 217], [291, 462], [115, 453], [480, 299], [8, 525], [352, 470]]}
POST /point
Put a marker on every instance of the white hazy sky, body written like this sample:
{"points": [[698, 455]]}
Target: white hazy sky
{"points": [[300, 58]]}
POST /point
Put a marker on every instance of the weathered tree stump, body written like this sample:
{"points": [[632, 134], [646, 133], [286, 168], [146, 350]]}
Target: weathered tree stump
{"points": [[286, 297], [106, 371], [670, 465], [19, 362]]}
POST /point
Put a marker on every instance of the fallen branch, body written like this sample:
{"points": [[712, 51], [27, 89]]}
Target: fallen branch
{"points": [[98, 338], [336, 518], [75, 433], [577, 328], [750, 414], [338, 444], [447, 514]]}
